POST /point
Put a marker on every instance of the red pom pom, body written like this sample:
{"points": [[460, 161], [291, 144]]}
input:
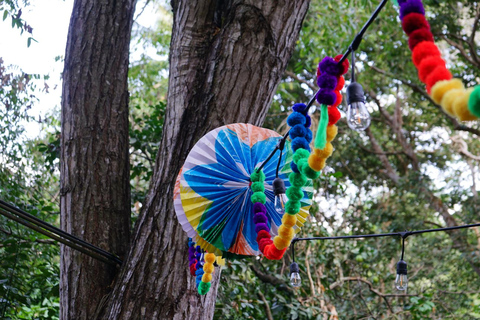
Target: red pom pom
{"points": [[340, 83], [273, 253], [333, 115], [345, 64], [264, 243], [262, 234], [438, 74], [424, 49], [428, 65], [193, 268], [418, 36], [414, 21], [338, 100]]}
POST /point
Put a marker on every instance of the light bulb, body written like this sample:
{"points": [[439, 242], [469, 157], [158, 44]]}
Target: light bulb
{"points": [[401, 280], [280, 196], [295, 279], [280, 201], [358, 117]]}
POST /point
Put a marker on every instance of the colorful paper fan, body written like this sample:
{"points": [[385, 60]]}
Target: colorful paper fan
{"points": [[212, 198]]}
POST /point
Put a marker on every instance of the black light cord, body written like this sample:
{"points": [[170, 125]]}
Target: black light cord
{"points": [[13, 213], [351, 48]]}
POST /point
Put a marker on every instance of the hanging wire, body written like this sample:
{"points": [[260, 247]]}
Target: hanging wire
{"points": [[353, 66], [351, 48], [32, 222]]}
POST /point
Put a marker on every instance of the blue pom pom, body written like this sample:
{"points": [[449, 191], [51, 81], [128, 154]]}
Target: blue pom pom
{"points": [[300, 143], [294, 167], [308, 135], [298, 130], [299, 107], [308, 121], [296, 118]]}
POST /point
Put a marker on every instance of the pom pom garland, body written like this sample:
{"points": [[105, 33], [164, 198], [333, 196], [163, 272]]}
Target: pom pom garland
{"points": [[298, 131], [333, 115], [444, 90], [326, 96], [296, 118], [327, 81], [299, 107]]}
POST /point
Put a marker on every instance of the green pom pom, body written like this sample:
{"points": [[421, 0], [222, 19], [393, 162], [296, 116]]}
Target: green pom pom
{"points": [[294, 193], [257, 176], [292, 206], [258, 197], [474, 102], [305, 169], [300, 154], [203, 287], [297, 179], [258, 187]]}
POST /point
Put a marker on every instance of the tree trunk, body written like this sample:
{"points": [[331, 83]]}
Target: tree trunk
{"points": [[94, 171], [226, 59]]}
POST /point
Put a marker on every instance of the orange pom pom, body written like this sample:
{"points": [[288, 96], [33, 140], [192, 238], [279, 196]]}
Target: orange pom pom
{"points": [[285, 232], [332, 131], [210, 258], [280, 243], [208, 268], [289, 220], [316, 163], [273, 253], [207, 277], [325, 152]]}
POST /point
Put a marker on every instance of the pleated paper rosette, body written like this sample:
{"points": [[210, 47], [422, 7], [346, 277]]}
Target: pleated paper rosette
{"points": [[212, 191]]}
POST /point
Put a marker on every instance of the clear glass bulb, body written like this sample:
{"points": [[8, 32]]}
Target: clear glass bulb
{"points": [[295, 279], [358, 117], [401, 282], [280, 200]]}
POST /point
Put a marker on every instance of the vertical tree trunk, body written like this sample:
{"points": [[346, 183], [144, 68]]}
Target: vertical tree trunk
{"points": [[94, 171], [226, 59]]}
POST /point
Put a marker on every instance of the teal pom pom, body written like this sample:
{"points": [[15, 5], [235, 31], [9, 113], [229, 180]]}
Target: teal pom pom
{"points": [[204, 287], [300, 154], [258, 197], [307, 171], [474, 102], [292, 206], [257, 176], [258, 187], [294, 193], [297, 179]]}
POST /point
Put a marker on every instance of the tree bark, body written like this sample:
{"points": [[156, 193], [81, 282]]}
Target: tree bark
{"points": [[226, 59], [94, 171]]}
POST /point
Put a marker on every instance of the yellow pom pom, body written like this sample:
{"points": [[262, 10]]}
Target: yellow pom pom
{"points": [[280, 243], [207, 277], [460, 107], [325, 152], [315, 162], [289, 220], [448, 98], [331, 132], [208, 267], [210, 258], [442, 87], [285, 232]]}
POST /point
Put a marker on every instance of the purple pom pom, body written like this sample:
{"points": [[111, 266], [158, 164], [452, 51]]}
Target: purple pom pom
{"points": [[259, 207], [297, 131], [411, 6], [299, 107], [300, 143], [261, 226], [327, 81], [330, 66], [326, 96], [294, 167], [260, 218], [296, 118], [308, 121]]}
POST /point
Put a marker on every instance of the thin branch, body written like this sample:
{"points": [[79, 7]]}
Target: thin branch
{"points": [[296, 78], [267, 307], [267, 278]]}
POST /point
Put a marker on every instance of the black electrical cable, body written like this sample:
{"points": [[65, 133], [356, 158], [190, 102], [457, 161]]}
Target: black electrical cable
{"points": [[352, 47], [55, 233]]}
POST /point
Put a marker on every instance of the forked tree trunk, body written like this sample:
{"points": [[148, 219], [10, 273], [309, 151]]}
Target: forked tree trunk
{"points": [[94, 171], [226, 60]]}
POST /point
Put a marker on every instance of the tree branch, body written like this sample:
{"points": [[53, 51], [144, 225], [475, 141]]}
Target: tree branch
{"points": [[267, 307], [296, 78], [267, 278]]}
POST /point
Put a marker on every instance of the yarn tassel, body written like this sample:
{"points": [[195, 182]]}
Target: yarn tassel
{"points": [[321, 136]]}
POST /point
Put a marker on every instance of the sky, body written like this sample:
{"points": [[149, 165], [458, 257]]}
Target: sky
{"points": [[49, 20]]}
